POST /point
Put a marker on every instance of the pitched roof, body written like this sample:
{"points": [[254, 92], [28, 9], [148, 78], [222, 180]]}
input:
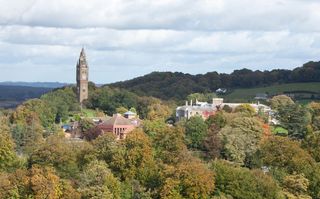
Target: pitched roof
{"points": [[117, 119]]}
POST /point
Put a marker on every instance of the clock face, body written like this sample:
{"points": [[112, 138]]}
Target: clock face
{"points": [[84, 76]]}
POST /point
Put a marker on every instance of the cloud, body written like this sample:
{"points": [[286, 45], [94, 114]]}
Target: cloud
{"points": [[126, 38]]}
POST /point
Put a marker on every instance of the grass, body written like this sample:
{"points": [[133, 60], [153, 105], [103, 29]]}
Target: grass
{"points": [[89, 112], [247, 95]]}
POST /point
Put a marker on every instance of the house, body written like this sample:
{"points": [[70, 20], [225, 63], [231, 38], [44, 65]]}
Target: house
{"points": [[221, 90], [118, 125], [205, 110], [219, 103], [261, 96], [130, 115], [202, 109]]}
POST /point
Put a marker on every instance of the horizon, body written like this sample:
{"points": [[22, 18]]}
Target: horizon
{"points": [[41, 41]]}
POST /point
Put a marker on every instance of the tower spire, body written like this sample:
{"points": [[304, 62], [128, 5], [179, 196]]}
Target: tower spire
{"points": [[82, 77]]}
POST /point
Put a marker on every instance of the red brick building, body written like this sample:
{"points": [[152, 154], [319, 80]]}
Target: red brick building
{"points": [[118, 125]]}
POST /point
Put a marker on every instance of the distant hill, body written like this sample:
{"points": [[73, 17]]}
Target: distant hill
{"points": [[35, 84], [168, 85], [11, 96], [302, 92]]}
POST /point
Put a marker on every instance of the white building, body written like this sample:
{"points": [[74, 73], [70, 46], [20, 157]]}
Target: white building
{"points": [[205, 109]]}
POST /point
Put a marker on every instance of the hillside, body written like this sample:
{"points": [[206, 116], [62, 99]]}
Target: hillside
{"points": [[10, 96], [35, 84], [168, 85], [299, 91]]}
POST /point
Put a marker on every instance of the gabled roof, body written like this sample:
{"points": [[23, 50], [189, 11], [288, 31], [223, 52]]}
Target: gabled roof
{"points": [[117, 119]]}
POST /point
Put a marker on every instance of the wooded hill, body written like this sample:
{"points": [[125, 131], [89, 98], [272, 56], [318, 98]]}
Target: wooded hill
{"points": [[169, 85]]}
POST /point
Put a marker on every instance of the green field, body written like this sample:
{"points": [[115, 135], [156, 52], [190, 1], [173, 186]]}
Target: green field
{"points": [[247, 95]]}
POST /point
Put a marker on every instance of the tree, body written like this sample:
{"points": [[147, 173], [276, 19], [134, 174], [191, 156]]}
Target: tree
{"points": [[8, 156], [218, 120], [97, 181], [190, 179], [243, 183], [280, 101], [196, 131], [212, 143], [58, 153], [316, 123], [121, 110], [296, 187], [241, 138], [246, 109], [44, 182], [295, 119], [227, 109], [312, 144], [281, 152], [43, 110], [169, 144], [139, 161], [158, 111], [37, 182], [26, 130]]}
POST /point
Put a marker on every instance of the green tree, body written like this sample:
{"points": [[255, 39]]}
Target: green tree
{"points": [[62, 101], [213, 143], [243, 183], [121, 110], [190, 179], [296, 187], [169, 144], [280, 101], [241, 138], [246, 109], [56, 152], [8, 157], [219, 120], [97, 181], [283, 154], [26, 130], [312, 144], [43, 110], [196, 131], [295, 119]]}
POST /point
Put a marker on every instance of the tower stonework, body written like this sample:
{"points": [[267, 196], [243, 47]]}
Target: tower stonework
{"points": [[82, 77]]}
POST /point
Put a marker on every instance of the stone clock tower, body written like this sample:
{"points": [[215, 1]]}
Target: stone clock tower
{"points": [[82, 77]]}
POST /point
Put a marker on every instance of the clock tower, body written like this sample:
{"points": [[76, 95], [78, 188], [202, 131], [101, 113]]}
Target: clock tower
{"points": [[82, 77]]}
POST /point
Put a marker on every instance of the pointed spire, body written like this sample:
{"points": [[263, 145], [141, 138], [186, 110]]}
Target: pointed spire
{"points": [[82, 53]]}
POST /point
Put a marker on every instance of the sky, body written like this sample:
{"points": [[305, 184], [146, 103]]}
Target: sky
{"points": [[40, 40]]}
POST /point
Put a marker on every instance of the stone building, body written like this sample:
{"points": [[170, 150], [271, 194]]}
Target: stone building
{"points": [[82, 77], [204, 109]]}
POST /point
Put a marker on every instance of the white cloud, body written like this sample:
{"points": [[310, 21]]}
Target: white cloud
{"points": [[126, 38]]}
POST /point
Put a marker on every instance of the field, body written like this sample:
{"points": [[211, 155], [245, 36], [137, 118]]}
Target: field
{"points": [[302, 91]]}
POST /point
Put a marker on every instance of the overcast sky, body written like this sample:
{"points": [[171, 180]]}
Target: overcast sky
{"points": [[40, 40]]}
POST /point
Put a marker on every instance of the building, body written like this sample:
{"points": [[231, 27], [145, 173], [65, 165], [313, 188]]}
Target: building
{"points": [[205, 109], [82, 77], [130, 115], [118, 125], [261, 96], [202, 109]]}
